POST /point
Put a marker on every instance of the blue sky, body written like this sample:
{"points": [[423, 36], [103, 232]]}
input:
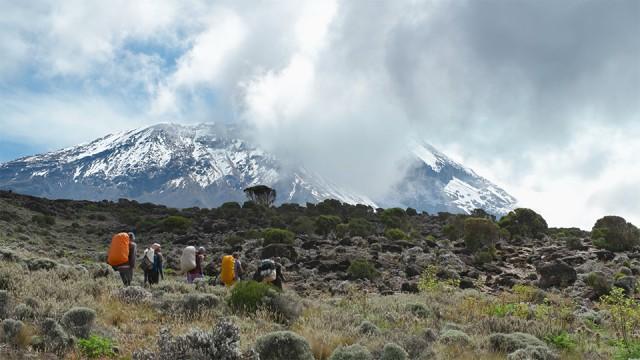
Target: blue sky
{"points": [[542, 97]]}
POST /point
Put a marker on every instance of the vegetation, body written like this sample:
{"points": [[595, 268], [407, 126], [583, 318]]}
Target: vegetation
{"points": [[278, 236], [615, 234], [326, 224], [480, 233], [96, 347], [524, 223], [362, 269], [248, 296], [395, 234]]}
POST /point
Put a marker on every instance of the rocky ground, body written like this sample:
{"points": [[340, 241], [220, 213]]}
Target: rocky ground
{"points": [[415, 281]]}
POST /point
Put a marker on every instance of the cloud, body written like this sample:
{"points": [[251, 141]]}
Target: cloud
{"points": [[524, 92]]}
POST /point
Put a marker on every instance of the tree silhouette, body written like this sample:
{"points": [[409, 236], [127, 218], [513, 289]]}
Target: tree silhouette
{"points": [[261, 195]]}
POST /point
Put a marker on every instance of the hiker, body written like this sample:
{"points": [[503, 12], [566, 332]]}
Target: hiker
{"points": [[279, 275], [152, 265], [197, 272], [122, 256], [269, 271], [238, 268]]}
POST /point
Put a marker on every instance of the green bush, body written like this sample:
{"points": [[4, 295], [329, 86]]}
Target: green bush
{"points": [[598, 282], [342, 230], [351, 352], [562, 341], [248, 296], [395, 218], [454, 229], [615, 234], [96, 347], [524, 222], [479, 233], [283, 345], [326, 224], [362, 269], [395, 234], [233, 240], [393, 351], [176, 224], [360, 227], [43, 220], [278, 236], [303, 225]]}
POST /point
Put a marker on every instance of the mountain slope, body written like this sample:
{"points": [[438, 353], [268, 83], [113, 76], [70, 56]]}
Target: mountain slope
{"points": [[207, 165]]}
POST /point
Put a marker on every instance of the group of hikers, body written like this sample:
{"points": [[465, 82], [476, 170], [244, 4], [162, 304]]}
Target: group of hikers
{"points": [[122, 258]]}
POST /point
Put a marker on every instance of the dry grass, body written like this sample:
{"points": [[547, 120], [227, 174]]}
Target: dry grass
{"points": [[327, 322]]}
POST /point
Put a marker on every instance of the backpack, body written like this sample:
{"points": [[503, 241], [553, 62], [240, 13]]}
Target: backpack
{"points": [[268, 275], [267, 264], [227, 270], [146, 264], [188, 259], [118, 253]]}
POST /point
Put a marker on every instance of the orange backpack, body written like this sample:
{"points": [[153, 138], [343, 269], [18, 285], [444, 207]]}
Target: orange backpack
{"points": [[227, 270], [119, 250]]}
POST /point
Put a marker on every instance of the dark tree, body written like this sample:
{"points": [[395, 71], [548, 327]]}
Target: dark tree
{"points": [[261, 195]]}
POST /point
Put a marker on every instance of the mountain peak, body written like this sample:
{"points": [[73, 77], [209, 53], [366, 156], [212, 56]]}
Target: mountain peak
{"points": [[208, 164]]}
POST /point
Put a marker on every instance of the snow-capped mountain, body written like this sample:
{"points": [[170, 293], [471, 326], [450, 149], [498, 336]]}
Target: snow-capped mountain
{"points": [[207, 165]]}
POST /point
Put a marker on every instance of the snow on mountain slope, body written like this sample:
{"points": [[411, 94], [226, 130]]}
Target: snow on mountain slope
{"points": [[207, 165]]}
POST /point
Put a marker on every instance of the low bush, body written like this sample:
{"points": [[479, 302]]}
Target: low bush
{"points": [[615, 234], [455, 337], [176, 224], [303, 225], [43, 220], [96, 347], [368, 328], [562, 341], [525, 223], [14, 332], [283, 345], [395, 234], [278, 236], [326, 224], [133, 295], [54, 338], [360, 227], [194, 304], [514, 341], [78, 321], [247, 296], [480, 233], [352, 352], [362, 269], [393, 351]]}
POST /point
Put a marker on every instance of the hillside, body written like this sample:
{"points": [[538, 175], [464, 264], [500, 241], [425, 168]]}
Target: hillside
{"points": [[440, 286]]}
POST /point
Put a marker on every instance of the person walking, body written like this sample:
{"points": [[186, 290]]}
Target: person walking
{"points": [[197, 272]]}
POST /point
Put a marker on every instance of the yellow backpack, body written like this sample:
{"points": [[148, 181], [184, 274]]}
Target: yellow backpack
{"points": [[227, 271]]}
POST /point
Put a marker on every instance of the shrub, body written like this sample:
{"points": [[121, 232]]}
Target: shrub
{"points": [[54, 338], [278, 236], [222, 343], [43, 220], [573, 243], [393, 352], [533, 352], [360, 227], [524, 222], [5, 300], [615, 234], [625, 314], [247, 296], [13, 332], [24, 312], [78, 321], [368, 328], [284, 305], [514, 341], [342, 230], [283, 345], [479, 233], [395, 218], [484, 256], [561, 340], [598, 282], [193, 304], [326, 224], [429, 281], [133, 295], [418, 310], [362, 269], [352, 352], [96, 347], [176, 224], [233, 240], [454, 229], [455, 337], [395, 234], [303, 225]]}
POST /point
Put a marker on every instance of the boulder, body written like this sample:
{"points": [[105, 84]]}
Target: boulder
{"points": [[279, 250], [558, 274]]}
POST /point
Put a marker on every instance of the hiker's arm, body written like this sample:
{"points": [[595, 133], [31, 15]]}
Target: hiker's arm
{"points": [[161, 266]]}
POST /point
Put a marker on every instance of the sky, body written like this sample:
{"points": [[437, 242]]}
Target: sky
{"points": [[541, 97]]}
